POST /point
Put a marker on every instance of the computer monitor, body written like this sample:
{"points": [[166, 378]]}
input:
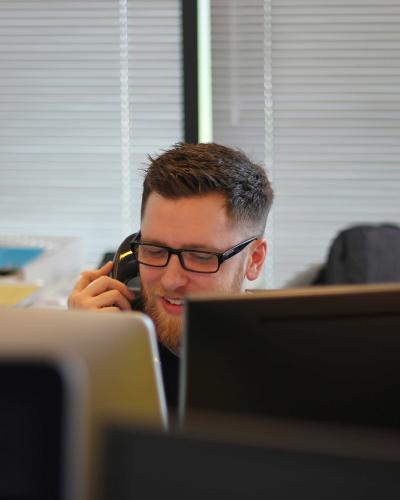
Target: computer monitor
{"points": [[65, 376], [265, 460], [325, 354]]}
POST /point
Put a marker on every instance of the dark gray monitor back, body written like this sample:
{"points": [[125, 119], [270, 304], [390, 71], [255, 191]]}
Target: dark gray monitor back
{"points": [[329, 354], [152, 466], [31, 431]]}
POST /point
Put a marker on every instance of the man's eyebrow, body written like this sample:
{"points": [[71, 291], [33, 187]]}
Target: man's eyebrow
{"points": [[187, 246], [201, 248]]}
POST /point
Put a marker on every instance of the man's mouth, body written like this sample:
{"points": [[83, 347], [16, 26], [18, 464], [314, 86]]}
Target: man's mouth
{"points": [[172, 305], [176, 302]]}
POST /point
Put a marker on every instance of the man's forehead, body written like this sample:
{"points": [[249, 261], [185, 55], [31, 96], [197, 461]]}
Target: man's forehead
{"points": [[193, 221], [196, 206], [201, 199]]}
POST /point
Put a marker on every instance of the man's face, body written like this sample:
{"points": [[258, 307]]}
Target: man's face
{"points": [[198, 222]]}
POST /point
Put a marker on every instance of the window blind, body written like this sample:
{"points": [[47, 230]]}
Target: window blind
{"points": [[66, 168], [336, 91], [241, 95], [237, 34], [155, 85], [334, 69]]}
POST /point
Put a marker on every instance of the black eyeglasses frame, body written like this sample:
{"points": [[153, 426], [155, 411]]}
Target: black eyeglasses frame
{"points": [[222, 256]]}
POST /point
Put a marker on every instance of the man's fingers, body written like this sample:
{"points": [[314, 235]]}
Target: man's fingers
{"points": [[105, 283], [96, 290], [110, 299], [88, 276], [110, 309]]}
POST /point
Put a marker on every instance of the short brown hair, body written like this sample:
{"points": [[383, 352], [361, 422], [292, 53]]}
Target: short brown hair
{"points": [[199, 169]]}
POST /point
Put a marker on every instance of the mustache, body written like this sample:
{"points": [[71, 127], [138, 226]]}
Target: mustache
{"points": [[160, 293]]}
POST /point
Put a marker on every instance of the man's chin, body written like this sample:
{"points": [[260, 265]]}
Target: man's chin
{"points": [[169, 334], [168, 326]]}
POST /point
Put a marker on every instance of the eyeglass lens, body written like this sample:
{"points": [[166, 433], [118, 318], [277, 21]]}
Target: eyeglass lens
{"points": [[193, 261]]}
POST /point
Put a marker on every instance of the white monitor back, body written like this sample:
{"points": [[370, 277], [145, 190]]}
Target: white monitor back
{"points": [[110, 372]]}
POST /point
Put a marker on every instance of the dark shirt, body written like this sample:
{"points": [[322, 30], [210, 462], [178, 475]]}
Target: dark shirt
{"points": [[169, 367], [170, 373]]}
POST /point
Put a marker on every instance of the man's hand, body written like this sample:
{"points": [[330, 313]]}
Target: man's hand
{"points": [[95, 290]]}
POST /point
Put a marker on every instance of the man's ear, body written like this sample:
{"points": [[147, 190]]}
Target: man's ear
{"points": [[256, 259]]}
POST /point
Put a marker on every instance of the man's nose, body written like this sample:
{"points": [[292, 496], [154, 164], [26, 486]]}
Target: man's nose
{"points": [[174, 276]]}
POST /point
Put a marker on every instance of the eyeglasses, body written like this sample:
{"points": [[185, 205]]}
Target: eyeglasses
{"points": [[191, 260]]}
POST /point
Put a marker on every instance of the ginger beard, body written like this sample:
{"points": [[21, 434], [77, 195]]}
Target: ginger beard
{"points": [[169, 327]]}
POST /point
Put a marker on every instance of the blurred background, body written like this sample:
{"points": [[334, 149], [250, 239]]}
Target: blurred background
{"points": [[310, 88]]}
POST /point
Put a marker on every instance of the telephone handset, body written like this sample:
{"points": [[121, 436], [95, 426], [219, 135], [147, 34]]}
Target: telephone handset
{"points": [[125, 266]]}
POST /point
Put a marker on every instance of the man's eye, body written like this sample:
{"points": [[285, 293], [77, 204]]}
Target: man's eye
{"points": [[153, 252], [200, 257]]}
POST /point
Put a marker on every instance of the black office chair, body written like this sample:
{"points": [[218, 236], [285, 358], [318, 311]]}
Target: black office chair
{"points": [[363, 254]]}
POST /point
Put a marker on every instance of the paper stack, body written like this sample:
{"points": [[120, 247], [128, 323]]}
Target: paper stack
{"points": [[31, 263], [18, 294]]}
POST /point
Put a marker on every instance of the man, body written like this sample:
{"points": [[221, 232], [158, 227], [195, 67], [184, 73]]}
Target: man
{"points": [[203, 215]]}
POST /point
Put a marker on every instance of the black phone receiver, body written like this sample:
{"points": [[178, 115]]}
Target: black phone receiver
{"points": [[125, 266]]}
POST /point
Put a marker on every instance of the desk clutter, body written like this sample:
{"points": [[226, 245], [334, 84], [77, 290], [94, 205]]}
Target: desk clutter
{"points": [[283, 394], [32, 266], [18, 294]]}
